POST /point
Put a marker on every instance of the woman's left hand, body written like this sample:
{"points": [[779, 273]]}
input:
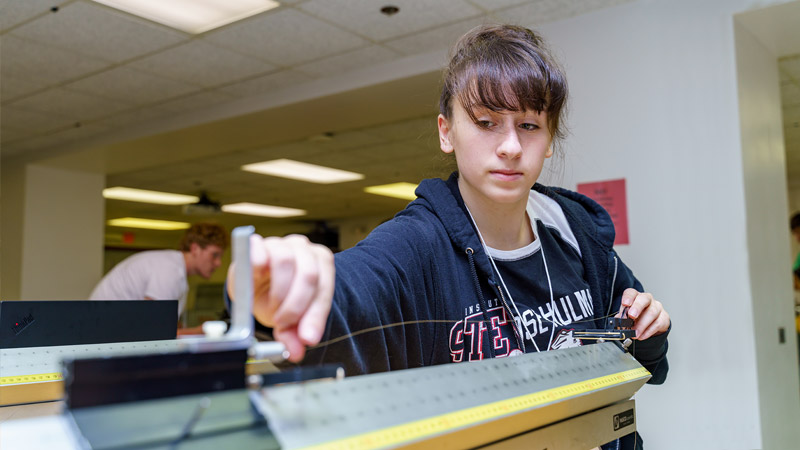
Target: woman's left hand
{"points": [[648, 314]]}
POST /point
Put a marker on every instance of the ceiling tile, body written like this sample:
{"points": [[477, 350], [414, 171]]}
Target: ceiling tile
{"points": [[73, 105], [492, 5], [365, 18], [132, 86], [203, 64], [14, 12], [195, 102], [266, 83], [12, 87], [420, 128], [346, 62], [8, 135], [292, 150], [49, 140], [27, 145], [437, 38], [286, 37], [47, 65], [544, 11], [133, 116], [231, 161], [101, 32], [341, 141], [22, 119]]}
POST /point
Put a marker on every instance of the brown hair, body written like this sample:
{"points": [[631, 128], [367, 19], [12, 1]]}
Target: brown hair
{"points": [[204, 234], [504, 68]]}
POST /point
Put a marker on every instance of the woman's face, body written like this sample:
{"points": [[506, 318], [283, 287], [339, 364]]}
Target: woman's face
{"points": [[500, 157]]}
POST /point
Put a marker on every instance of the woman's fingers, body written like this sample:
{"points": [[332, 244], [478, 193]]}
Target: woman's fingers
{"points": [[298, 291], [645, 318], [312, 325], [658, 326], [648, 314], [293, 283], [291, 340]]}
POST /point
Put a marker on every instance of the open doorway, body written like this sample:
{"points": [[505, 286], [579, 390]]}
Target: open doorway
{"points": [[764, 39], [789, 72]]}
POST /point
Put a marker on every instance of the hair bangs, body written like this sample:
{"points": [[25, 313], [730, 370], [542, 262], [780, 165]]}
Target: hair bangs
{"points": [[503, 87], [505, 68]]}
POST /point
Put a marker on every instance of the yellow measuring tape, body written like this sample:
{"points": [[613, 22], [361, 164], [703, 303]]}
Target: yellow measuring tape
{"points": [[39, 377], [434, 425]]}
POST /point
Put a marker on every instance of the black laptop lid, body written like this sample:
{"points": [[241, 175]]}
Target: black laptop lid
{"points": [[44, 323]]}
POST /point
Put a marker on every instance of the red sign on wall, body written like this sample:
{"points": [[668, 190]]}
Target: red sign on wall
{"points": [[610, 195]]}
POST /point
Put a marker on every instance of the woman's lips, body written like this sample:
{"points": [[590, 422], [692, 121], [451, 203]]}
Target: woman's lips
{"points": [[506, 175]]}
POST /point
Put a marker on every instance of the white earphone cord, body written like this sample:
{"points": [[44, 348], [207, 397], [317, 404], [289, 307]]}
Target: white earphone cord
{"points": [[503, 283]]}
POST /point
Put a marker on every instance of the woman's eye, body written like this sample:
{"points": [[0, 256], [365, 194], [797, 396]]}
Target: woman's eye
{"points": [[529, 126], [485, 123]]}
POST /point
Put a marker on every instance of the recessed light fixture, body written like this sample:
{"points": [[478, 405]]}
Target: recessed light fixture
{"points": [[192, 16], [297, 170], [397, 190], [254, 209], [135, 222], [145, 196]]}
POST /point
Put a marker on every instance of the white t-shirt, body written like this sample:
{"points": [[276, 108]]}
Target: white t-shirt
{"points": [[544, 280], [157, 274]]}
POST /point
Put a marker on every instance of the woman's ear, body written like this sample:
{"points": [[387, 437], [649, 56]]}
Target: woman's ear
{"points": [[549, 152], [444, 134]]}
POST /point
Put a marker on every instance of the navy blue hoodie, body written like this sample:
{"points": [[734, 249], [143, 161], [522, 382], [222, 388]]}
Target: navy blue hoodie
{"points": [[418, 272]]}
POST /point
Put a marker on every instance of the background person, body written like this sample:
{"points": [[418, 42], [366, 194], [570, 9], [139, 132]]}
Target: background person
{"points": [[162, 274]]}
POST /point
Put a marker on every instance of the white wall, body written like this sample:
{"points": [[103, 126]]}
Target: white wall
{"points": [[62, 244], [654, 100]]}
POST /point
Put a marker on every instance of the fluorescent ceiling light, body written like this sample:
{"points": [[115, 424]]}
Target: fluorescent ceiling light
{"points": [[141, 195], [397, 190], [134, 222], [297, 170], [192, 16], [254, 209]]}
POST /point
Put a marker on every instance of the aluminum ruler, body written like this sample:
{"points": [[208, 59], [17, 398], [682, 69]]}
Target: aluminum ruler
{"points": [[452, 405]]}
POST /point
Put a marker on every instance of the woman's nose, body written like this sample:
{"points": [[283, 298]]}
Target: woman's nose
{"points": [[510, 146]]}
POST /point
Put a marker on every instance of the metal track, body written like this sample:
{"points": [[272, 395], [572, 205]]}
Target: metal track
{"points": [[453, 405]]}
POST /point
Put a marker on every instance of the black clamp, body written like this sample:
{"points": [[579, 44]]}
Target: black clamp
{"points": [[616, 329]]}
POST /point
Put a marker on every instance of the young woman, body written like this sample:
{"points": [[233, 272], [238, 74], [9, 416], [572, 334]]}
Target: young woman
{"points": [[486, 264]]}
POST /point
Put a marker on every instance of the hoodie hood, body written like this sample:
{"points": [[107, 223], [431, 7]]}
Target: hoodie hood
{"points": [[443, 199], [597, 222]]}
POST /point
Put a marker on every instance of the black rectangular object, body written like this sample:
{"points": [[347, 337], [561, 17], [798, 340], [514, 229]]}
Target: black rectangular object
{"points": [[103, 381], [42, 323]]}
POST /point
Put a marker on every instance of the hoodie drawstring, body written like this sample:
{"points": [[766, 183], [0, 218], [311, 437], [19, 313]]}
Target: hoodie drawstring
{"points": [[484, 307]]}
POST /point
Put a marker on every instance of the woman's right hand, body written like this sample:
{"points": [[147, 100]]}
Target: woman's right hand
{"points": [[292, 289]]}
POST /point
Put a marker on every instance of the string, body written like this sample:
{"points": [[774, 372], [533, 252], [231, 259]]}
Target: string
{"points": [[415, 322]]}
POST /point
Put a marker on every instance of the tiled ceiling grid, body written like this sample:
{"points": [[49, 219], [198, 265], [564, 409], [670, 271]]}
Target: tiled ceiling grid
{"points": [[86, 69]]}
